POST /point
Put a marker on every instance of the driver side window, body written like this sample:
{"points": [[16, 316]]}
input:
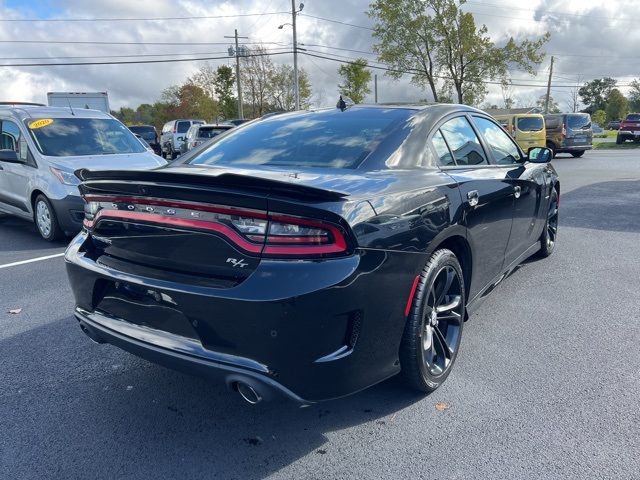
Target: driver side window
{"points": [[505, 152], [11, 139]]}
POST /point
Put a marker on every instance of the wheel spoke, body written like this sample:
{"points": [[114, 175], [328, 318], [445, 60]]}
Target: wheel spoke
{"points": [[442, 341], [454, 302], [452, 316], [447, 285]]}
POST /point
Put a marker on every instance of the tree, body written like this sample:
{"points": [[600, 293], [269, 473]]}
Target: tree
{"points": [[282, 91], [553, 105], [507, 94], [435, 39], [205, 78], [634, 96], [617, 105], [223, 89], [594, 94], [573, 98], [189, 101], [257, 72], [355, 80], [599, 117]]}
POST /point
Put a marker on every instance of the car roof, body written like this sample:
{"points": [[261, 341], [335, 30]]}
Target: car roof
{"points": [[215, 125], [32, 111]]}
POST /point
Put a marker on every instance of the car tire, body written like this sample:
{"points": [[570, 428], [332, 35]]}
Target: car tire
{"points": [[619, 140], [552, 147], [433, 329], [46, 220], [550, 232], [577, 154]]}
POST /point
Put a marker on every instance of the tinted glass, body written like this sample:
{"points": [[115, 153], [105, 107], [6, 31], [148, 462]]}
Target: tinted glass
{"points": [[210, 132], [552, 122], [328, 138], [463, 142], [578, 121], [504, 150], [530, 124], [442, 151], [633, 117], [148, 133], [183, 126], [62, 137]]}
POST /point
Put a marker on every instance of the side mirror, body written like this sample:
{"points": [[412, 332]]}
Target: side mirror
{"points": [[539, 155], [9, 156]]}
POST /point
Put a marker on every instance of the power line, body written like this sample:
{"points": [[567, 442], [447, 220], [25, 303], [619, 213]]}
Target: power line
{"points": [[97, 42], [152, 19], [336, 21]]}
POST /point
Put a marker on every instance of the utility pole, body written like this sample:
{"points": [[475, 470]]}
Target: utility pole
{"points": [[546, 101], [294, 14], [375, 87], [237, 55]]}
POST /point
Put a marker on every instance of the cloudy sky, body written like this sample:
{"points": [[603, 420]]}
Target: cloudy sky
{"points": [[589, 38]]}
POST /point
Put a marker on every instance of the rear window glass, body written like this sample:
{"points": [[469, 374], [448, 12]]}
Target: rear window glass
{"points": [[328, 138], [148, 133], [633, 117], [183, 126], [210, 132], [530, 124], [578, 121], [552, 122], [64, 137]]}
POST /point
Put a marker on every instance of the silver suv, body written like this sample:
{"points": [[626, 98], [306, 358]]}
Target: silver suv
{"points": [[41, 148], [174, 134]]}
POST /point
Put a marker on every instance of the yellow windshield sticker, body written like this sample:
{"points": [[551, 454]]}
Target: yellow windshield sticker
{"points": [[40, 123]]}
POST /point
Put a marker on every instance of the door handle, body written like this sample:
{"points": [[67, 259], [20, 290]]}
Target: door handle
{"points": [[517, 191], [473, 197]]}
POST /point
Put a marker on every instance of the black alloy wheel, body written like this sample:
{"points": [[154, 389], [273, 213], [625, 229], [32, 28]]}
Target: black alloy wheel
{"points": [[433, 331], [550, 233]]}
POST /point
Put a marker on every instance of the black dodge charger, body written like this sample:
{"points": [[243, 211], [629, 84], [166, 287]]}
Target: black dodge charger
{"points": [[313, 254]]}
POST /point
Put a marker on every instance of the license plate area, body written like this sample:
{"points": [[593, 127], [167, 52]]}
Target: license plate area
{"points": [[145, 307]]}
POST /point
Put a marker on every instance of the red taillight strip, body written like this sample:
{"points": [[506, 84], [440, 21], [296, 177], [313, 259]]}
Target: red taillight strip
{"points": [[178, 204], [179, 222], [414, 287]]}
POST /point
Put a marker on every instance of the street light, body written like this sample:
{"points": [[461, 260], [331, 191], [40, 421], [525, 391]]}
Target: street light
{"points": [[294, 14]]}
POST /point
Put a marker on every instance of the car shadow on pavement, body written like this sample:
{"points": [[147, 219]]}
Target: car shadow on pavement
{"points": [[75, 406], [20, 235], [611, 206]]}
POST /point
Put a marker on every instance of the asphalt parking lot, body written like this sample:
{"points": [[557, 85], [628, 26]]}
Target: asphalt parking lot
{"points": [[547, 384]]}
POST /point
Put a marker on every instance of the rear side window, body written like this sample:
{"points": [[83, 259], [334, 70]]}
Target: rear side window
{"points": [[183, 126], [463, 142], [552, 122], [11, 139], [530, 124], [578, 121], [633, 117], [442, 151], [210, 132]]}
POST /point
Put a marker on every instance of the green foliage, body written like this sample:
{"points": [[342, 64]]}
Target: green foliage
{"points": [[594, 94], [282, 88], [634, 96], [617, 105], [442, 47], [223, 88], [356, 78], [553, 105], [599, 117]]}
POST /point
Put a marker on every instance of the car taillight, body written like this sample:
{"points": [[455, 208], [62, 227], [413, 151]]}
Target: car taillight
{"points": [[255, 231]]}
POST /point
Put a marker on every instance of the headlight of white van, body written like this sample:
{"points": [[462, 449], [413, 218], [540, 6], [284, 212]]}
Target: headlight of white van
{"points": [[65, 177]]}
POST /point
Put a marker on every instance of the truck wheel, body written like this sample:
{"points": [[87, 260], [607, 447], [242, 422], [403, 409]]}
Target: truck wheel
{"points": [[577, 154], [619, 140]]}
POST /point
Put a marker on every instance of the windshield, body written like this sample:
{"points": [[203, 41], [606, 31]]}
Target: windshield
{"points": [[210, 132], [328, 138], [633, 117], [579, 121], [530, 124], [148, 133], [65, 137]]}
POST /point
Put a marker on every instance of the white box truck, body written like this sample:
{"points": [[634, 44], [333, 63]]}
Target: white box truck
{"points": [[92, 100]]}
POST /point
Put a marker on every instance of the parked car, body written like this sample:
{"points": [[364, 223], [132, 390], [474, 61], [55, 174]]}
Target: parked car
{"points": [[596, 129], [199, 134], [41, 147], [173, 135], [629, 129], [613, 125], [527, 129], [313, 262], [569, 133], [150, 135], [237, 121], [145, 144]]}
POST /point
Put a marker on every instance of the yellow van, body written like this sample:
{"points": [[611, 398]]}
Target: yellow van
{"points": [[527, 129]]}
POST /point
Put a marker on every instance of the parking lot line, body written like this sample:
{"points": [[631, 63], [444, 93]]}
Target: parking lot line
{"points": [[31, 260]]}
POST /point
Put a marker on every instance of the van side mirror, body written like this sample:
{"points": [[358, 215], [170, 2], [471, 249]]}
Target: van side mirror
{"points": [[539, 155], [9, 156]]}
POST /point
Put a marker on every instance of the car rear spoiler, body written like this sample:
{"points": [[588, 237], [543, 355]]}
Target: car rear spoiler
{"points": [[225, 179]]}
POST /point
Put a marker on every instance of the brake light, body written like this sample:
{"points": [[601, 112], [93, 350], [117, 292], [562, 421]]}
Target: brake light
{"points": [[254, 231]]}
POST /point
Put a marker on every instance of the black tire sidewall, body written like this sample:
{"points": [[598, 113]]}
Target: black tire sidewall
{"points": [[545, 249], [413, 367]]}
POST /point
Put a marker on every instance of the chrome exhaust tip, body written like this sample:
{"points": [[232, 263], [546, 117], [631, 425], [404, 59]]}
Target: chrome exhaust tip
{"points": [[248, 393]]}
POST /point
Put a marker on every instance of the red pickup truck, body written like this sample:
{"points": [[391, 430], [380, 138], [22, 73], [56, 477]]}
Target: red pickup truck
{"points": [[629, 129]]}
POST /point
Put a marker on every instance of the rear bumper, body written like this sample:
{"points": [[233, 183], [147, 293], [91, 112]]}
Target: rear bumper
{"points": [[308, 330], [70, 213]]}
